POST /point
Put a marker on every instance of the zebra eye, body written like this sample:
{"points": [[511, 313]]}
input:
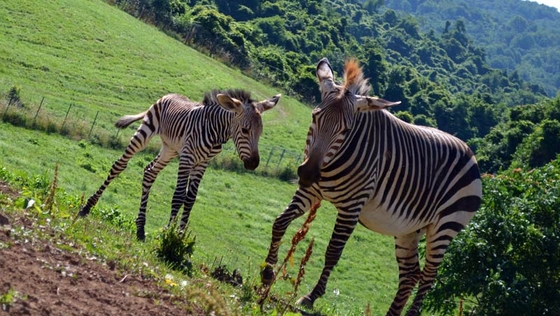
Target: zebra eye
{"points": [[244, 130]]}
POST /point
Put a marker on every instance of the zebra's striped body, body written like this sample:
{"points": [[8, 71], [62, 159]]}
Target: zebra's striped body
{"points": [[195, 132], [392, 177]]}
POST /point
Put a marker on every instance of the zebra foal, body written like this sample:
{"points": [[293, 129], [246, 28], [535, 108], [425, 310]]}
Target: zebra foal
{"points": [[195, 132], [392, 177]]}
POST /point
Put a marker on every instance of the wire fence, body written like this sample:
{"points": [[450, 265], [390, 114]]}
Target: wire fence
{"points": [[79, 122]]}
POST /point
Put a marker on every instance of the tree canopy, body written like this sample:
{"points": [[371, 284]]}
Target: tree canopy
{"points": [[507, 261], [441, 75], [517, 36]]}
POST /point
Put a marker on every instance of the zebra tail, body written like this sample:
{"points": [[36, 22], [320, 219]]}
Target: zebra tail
{"points": [[129, 119]]}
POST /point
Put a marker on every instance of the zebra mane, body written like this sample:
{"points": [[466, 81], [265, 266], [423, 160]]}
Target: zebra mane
{"points": [[210, 98], [354, 80]]}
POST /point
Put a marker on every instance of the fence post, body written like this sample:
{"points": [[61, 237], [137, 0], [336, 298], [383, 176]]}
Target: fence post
{"points": [[281, 156], [8, 106], [269, 155], [64, 123], [92, 125], [39, 109]]}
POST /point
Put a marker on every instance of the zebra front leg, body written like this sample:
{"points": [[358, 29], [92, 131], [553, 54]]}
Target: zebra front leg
{"points": [[345, 223], [190, 197], [150, 174], [406, 251], [301, 203]]}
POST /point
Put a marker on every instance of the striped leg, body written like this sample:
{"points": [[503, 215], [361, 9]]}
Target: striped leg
{"points": [[183, 178], [438, 238], [194, 181], [136, 144], [301, 203], [345, 223], [150, 174], [406, 250]]}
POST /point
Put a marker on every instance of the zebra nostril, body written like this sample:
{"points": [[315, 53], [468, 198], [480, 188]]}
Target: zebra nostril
{"points": [[251, 163]]}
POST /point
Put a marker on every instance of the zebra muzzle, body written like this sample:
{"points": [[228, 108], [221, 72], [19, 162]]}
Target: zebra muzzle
{"points": [[308, 175], [251, 163]]}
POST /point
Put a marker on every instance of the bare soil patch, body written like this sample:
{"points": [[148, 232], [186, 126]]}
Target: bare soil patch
{"points": [[43, 279]]}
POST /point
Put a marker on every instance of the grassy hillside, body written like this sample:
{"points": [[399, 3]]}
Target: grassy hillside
{"points": [[98, 58]]}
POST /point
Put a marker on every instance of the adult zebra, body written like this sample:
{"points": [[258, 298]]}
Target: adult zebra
{"points": [[194, 131], [392, 177]]}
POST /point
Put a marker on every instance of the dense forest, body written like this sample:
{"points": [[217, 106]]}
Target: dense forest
{"points": [[442, 76], [520, 36]]}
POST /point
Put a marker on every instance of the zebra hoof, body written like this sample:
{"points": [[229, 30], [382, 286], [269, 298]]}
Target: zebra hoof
{"points": [[267, 275], [140, 235], [84, 211], [305, 301]]}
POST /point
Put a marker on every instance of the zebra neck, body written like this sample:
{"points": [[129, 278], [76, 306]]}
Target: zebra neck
{"points": [[215, 123]]}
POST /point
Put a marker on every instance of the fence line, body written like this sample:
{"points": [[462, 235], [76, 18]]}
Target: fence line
{"points": [[278, 157]]}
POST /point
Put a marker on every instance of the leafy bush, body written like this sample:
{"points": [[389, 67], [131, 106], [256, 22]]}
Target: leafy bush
{"points": [[175, 248], [115, 217], [14, 96], [507, 261]]}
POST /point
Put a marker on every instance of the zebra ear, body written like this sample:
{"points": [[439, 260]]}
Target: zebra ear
{"points": [[268, 104], [325, 75], [229, 103], [367, 103]]}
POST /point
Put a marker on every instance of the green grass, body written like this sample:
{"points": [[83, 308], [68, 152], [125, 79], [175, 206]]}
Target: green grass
{"points": [[231, 219], [97, 58]]}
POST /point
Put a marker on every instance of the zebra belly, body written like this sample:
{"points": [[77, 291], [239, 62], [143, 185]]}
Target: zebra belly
{"points": [[176, 144], [379, 219]]}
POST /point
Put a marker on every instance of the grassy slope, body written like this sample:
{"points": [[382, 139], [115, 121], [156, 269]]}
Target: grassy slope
{"points": [[88, 53], [96, 57]]}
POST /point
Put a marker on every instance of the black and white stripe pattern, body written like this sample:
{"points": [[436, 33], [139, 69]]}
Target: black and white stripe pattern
{"points": [[195, 132], [392, 177]]}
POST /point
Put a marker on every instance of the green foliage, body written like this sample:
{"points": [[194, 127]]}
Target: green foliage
{"points": [[517, 36], [507, 261], [6, 299], [13, 96], [528, 138], [542, 146], [116, 218], [175, 248]]}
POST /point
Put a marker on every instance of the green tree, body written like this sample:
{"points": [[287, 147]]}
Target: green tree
{"points": [[541, 146], [507, 260], [373, 5], [374, 65]]}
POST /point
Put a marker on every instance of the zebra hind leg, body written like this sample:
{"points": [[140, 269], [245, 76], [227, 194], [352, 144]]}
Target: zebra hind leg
{"points": [[118, 166], [138, 142], [406, 251], [438, 238]]}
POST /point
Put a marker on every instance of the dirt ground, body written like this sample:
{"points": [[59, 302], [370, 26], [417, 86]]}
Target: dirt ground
{"points": [[46, 280]]}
